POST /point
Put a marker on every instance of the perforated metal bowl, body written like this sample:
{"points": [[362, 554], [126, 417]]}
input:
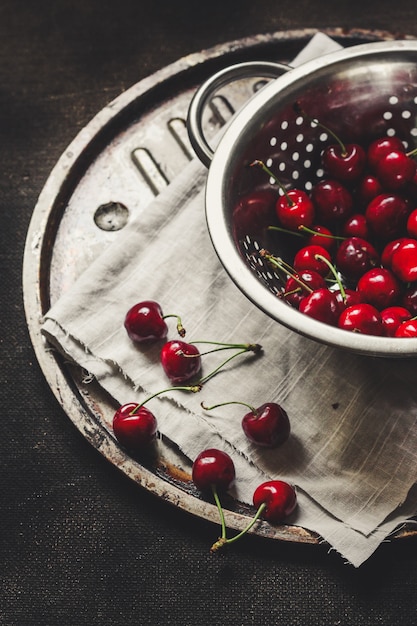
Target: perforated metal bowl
{"points": [[361, 93]]}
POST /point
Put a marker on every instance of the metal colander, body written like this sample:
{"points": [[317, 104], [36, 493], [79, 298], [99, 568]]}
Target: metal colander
{"points": [[361, 93]]}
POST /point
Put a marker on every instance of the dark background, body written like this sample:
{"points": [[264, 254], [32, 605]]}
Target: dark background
{"points": [[79, 543]]}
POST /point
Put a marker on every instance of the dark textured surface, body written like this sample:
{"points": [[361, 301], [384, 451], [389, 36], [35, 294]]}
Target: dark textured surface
{"points": [[79, 543]]}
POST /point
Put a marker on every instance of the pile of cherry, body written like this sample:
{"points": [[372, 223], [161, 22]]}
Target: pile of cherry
{"points": [[358, 267], [213, 470]]}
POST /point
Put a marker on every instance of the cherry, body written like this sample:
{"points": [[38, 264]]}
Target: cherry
{"points": [[346, 298], [181, 361], [294, 207], [362, 318], [356, 226], [301, 284], [368, 188], [319, 235], [412, 224], [387, 215], [279, 498], [344, 162], [379, 286], [322, 305], [395, 169], [381, 147], [409, 299], [392, 317], [356, 256], [306, 259], [407, 329], [332, 201], [253, 213], [404, 260], [388, 250], [267, 425], [134, 426], [213, 470], [145, 322]]}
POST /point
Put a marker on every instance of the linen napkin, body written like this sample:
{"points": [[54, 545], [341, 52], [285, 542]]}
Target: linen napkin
{"points": [[352, 453]]}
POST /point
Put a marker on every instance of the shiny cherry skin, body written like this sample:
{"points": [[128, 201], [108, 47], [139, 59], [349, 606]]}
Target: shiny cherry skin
{"points": [[322, 236], [409, 299], [404, 260], [389, 248], [306, 259], [322, 305], [387, 216], [362, 318], [295, 209], [368, 188], [213, 468], [395, 169], [351, 296], [299, 286], [180, 360], [407, 329], [279, 497], [412, 224], [253, 213], [267, 426], [356, 226], [345, 165], [135, 428], [381, 147], [332, 201], [144, 322], [392, 317], [355, 256], [379, 287]]}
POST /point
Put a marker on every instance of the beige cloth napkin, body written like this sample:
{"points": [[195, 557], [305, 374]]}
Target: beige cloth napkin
{"points": [[352, 453]]}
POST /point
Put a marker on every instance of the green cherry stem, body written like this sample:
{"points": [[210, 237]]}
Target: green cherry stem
{"points": [[300, 111], [266, 169], [193, 388], [203, 380], [335, 274], [246, 347], [180, 327], [222, 541], [216, 406], [281, 265]]}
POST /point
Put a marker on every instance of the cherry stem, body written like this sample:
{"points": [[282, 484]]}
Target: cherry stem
{"points": [[266, 169], [193, 388], [216, 406], [311, 231], [223, 540], [285, 267], [247, 347], [203, 380], [180, 327], [335, 274], [221, 512], [412, 153], [315, 121]]}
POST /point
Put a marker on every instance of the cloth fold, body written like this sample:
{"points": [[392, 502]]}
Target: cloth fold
{"points": [[352, 453]]}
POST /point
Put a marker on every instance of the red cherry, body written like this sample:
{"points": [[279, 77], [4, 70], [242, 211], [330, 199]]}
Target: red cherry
{"points": [[267, 426], [306, 259], [409, 299], [321, 305], [356, 226], [381, 147], [332, 201], [388, 250], [279, 497], [379, 287], [181, 361], [412, 224], [368, 188], [294, 209], [387, 215], [345, 164], [300, 285], [407, 329], [392, 317], [145, 322], [356, 256], [253, 213], [350, 297], [320, 236], [362, 318], [395, 169], [134, 426], [404, 260], [213, 469]]}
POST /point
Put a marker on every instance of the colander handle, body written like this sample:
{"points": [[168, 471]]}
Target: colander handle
{"points": [[265, 69]]}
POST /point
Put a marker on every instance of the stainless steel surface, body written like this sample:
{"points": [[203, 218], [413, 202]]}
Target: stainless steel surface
{"points": [[111, 171], [360, 92]]}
